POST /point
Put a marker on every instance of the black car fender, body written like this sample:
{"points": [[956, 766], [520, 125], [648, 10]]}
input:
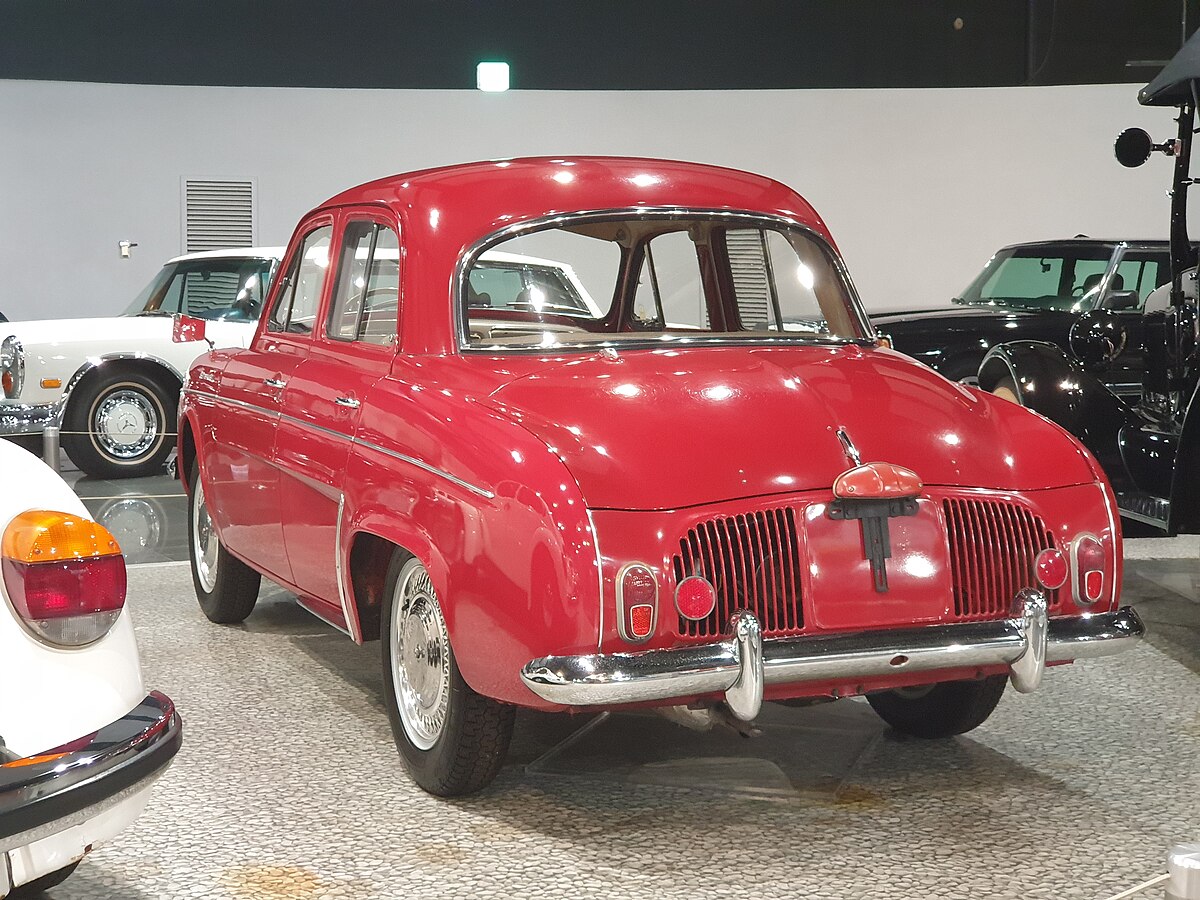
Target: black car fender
{"points": [[1048, 381]]}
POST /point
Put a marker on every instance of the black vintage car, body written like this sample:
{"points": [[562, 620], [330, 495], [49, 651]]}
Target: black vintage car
{"points": [[1037, 291], [1148, 444]]}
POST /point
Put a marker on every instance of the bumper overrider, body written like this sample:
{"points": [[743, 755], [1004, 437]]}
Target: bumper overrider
{"points": [[44, 794], [743, 664]]}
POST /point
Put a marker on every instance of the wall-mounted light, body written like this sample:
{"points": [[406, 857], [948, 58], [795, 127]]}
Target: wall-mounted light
{"points": [[126, 248], [491, 76]]}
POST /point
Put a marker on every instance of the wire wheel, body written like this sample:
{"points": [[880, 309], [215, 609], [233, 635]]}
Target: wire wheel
{"points": [[420, 656]]}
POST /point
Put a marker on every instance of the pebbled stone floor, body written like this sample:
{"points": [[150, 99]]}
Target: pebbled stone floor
{"points": [[288, 785]]}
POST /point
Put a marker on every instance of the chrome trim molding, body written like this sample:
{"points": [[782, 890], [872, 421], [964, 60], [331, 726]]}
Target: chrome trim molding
{"points": [[352, 627], [472, 253], [1078, 594], [1025, 644], [29, 418], [599, 576], [466, 485], [147, 357], [482, 492]]}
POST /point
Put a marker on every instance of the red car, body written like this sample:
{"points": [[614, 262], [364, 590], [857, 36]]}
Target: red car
{"points": [[595, 433]]}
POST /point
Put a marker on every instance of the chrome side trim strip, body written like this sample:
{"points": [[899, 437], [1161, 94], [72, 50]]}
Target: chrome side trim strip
{"points": [[351, 621], [599, 576], [731, 666], [465, 485], [432, 470]]}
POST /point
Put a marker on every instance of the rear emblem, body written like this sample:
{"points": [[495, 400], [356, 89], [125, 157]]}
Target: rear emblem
{"points": [[874, 493]]}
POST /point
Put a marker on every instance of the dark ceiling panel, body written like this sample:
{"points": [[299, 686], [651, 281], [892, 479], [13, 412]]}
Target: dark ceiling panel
{"points": [[572, 44]]}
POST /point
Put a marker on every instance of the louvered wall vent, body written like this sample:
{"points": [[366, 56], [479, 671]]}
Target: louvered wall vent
{"points": [[217, 214]]}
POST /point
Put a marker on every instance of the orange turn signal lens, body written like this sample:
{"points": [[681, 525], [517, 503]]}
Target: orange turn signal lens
{"points": [[32, 760], [40, 535], [51, 383]]}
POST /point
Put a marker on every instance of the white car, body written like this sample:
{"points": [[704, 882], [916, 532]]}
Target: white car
{"points": [[112, 384], [81, 740]]}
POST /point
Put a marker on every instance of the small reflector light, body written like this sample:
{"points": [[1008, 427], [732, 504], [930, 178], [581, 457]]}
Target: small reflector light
{"points": [[6, 381], [695, 598], [877, 480], [641, 620], [1051, 569], [1093, 585], [50, 383]]}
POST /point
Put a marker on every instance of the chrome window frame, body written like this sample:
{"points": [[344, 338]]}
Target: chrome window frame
{"points": [[542, 223]]}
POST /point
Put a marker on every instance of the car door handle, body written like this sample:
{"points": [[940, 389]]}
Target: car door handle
{"points": [[274, 382], [348, 402]]}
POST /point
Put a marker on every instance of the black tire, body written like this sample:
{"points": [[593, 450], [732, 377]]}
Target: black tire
{"points": [[944, 710], [226, 587], [45, 883], [964, 370], [466, 749], [105, 403]]}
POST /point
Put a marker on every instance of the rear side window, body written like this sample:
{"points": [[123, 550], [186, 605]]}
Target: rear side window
{"points": [[295, 309], [367, 294]]}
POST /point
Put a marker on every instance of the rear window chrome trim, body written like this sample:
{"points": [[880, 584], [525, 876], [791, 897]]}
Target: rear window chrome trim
{"points": [[491, 240]]}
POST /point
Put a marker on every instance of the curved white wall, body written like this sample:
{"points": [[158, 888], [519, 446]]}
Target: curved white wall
{"points": [[918, 186]]}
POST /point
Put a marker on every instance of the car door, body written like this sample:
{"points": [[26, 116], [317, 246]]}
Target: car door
{"points": [[350, 351], [245, 494], [1139, 269]]}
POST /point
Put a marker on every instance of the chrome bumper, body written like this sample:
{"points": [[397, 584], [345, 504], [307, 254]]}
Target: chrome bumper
{"points": [[44, 794], [742, 665], [29, 418]]}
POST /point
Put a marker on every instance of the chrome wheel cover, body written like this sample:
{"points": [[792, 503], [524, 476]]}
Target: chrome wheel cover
{"points": [[420, 656], [204, 542], [125, 424]]}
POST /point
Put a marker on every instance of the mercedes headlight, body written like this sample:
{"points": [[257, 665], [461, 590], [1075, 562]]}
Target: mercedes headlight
{"points": [[12, 367]]}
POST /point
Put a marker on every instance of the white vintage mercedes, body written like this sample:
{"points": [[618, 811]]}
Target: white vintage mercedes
{"points": [[81, 739], [112, 384]]}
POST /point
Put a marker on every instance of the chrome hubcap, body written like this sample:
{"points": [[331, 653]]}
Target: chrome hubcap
{"points": [[125, 424], [204, 541], [420, 657]]}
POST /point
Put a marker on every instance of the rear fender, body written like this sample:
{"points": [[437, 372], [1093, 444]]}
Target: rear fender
{"points": [[1050, 382]]}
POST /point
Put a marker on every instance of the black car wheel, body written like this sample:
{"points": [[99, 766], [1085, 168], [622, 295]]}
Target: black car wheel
{"points": [[226, 587], [452, 740], [939, 710], [119, 425]]}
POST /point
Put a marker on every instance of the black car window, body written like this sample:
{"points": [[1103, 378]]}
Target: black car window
{"points": [[1143, 271], [1042, 276]]}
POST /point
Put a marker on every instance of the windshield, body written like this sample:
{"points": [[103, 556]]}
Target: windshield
{"points": [[228, 288], [1044, 276], [590, 280]]}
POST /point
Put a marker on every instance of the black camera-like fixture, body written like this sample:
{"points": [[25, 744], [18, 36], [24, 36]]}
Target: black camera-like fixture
{"points": [[1134, 146]]}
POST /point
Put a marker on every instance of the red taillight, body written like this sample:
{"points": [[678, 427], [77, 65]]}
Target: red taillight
{"points": [[637, 602], [64, 575], [6, 381], [1051, 569], [1088, 562], [695, 598]]}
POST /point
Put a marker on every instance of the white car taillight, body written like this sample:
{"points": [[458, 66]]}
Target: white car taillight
{"points": [[65, 576], [1087, 567]]}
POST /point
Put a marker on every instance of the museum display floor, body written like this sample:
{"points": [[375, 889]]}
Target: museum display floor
{"points": [[288, 785]]}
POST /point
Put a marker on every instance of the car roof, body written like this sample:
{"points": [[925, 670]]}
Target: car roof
{"points": [[234, 252], [455, 206], [1085, 241]]}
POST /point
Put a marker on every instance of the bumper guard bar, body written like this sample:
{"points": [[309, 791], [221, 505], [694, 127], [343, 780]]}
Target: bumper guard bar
{"points": [[744, 663]]}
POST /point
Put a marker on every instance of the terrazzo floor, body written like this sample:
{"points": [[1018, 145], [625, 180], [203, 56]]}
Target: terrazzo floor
{"points": [[288, 785]]}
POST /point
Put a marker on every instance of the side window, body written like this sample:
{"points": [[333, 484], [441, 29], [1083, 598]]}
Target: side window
{"points": [[351, 284], [670, 292], [295, 308], [1142, 272], [366, 299], [381, 302]]}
